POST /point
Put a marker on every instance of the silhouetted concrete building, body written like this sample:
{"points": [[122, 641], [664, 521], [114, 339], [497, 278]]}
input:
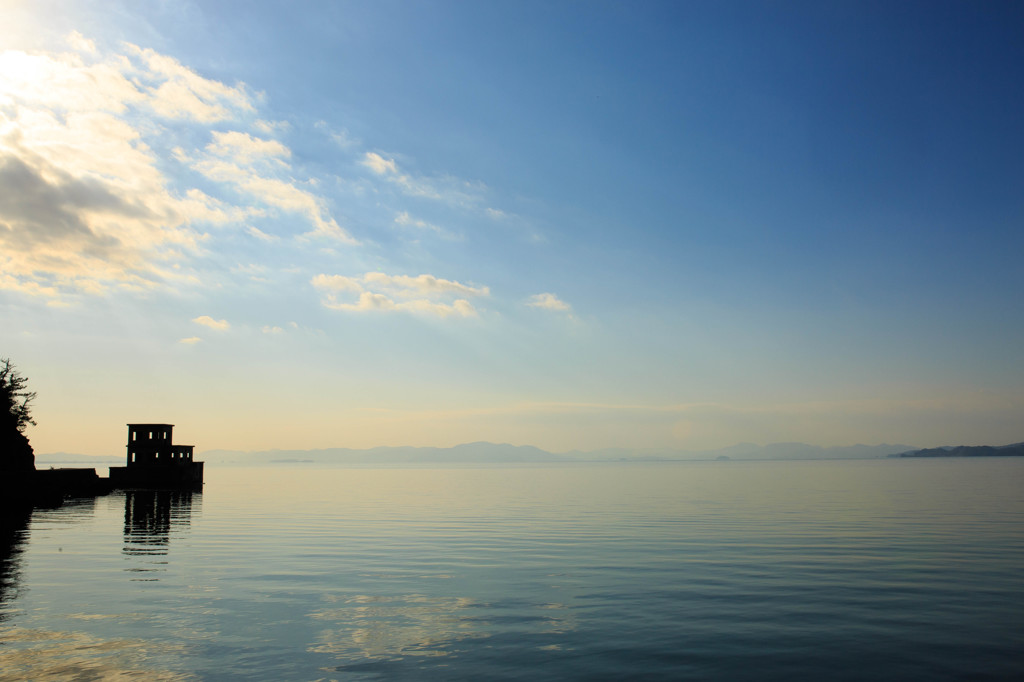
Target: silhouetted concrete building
{"points": [[155, 462]]}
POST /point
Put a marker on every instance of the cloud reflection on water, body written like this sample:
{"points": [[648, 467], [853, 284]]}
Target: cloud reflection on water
{"points": [[388, 628], [35, 654], [391, 627]]}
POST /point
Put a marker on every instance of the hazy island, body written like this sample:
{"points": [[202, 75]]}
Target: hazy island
{"points": [[1012, 450]]}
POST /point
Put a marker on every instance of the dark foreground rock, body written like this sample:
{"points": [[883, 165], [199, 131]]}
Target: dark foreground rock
{"points": [[15, 452], [48, 487]]}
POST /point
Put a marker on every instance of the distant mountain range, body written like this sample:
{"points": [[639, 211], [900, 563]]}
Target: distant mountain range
{"points": [[71, 460], [503, 453], [483, 452]]}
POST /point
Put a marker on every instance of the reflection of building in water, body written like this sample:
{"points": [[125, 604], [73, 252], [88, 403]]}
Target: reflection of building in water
{"points": [[155, 462], [151, 516], [13, 532]]}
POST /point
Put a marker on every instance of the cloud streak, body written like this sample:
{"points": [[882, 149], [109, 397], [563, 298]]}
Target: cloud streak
{"points": [[446, 188], [404, 219], [258, 169], [548, 301], [379, 292]]}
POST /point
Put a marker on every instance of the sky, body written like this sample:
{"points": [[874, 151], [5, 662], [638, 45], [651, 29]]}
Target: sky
{"points": [[574, 225]]}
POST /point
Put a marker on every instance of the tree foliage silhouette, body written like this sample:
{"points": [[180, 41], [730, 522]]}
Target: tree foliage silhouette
{"points": [[15, 416], [14, 396]]}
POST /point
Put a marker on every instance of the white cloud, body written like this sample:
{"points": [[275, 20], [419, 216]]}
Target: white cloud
{"points": [[379, 165], [86, 205], [65, 82], [175, 91], [80, 43], [272, 330], [381, 292], [404, 219], [261, 235], [259, 182], [548, 301], [337, 283], [243, 148], [270, 127], [208, 321], [407, 220], [446, 188], [190, 340], [421, 285]]}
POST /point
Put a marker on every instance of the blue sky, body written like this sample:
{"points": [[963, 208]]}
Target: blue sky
{"points": [[571, 225]]}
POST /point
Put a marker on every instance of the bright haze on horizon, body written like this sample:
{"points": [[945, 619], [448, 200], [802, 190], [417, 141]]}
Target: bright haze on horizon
{"points": [[673, 225]]}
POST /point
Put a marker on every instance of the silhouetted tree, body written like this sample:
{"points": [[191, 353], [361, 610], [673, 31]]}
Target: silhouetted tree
{"points": [[15, 450]]}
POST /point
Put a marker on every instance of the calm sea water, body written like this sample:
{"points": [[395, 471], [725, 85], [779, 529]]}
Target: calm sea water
{"points": [[887, 569]]}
